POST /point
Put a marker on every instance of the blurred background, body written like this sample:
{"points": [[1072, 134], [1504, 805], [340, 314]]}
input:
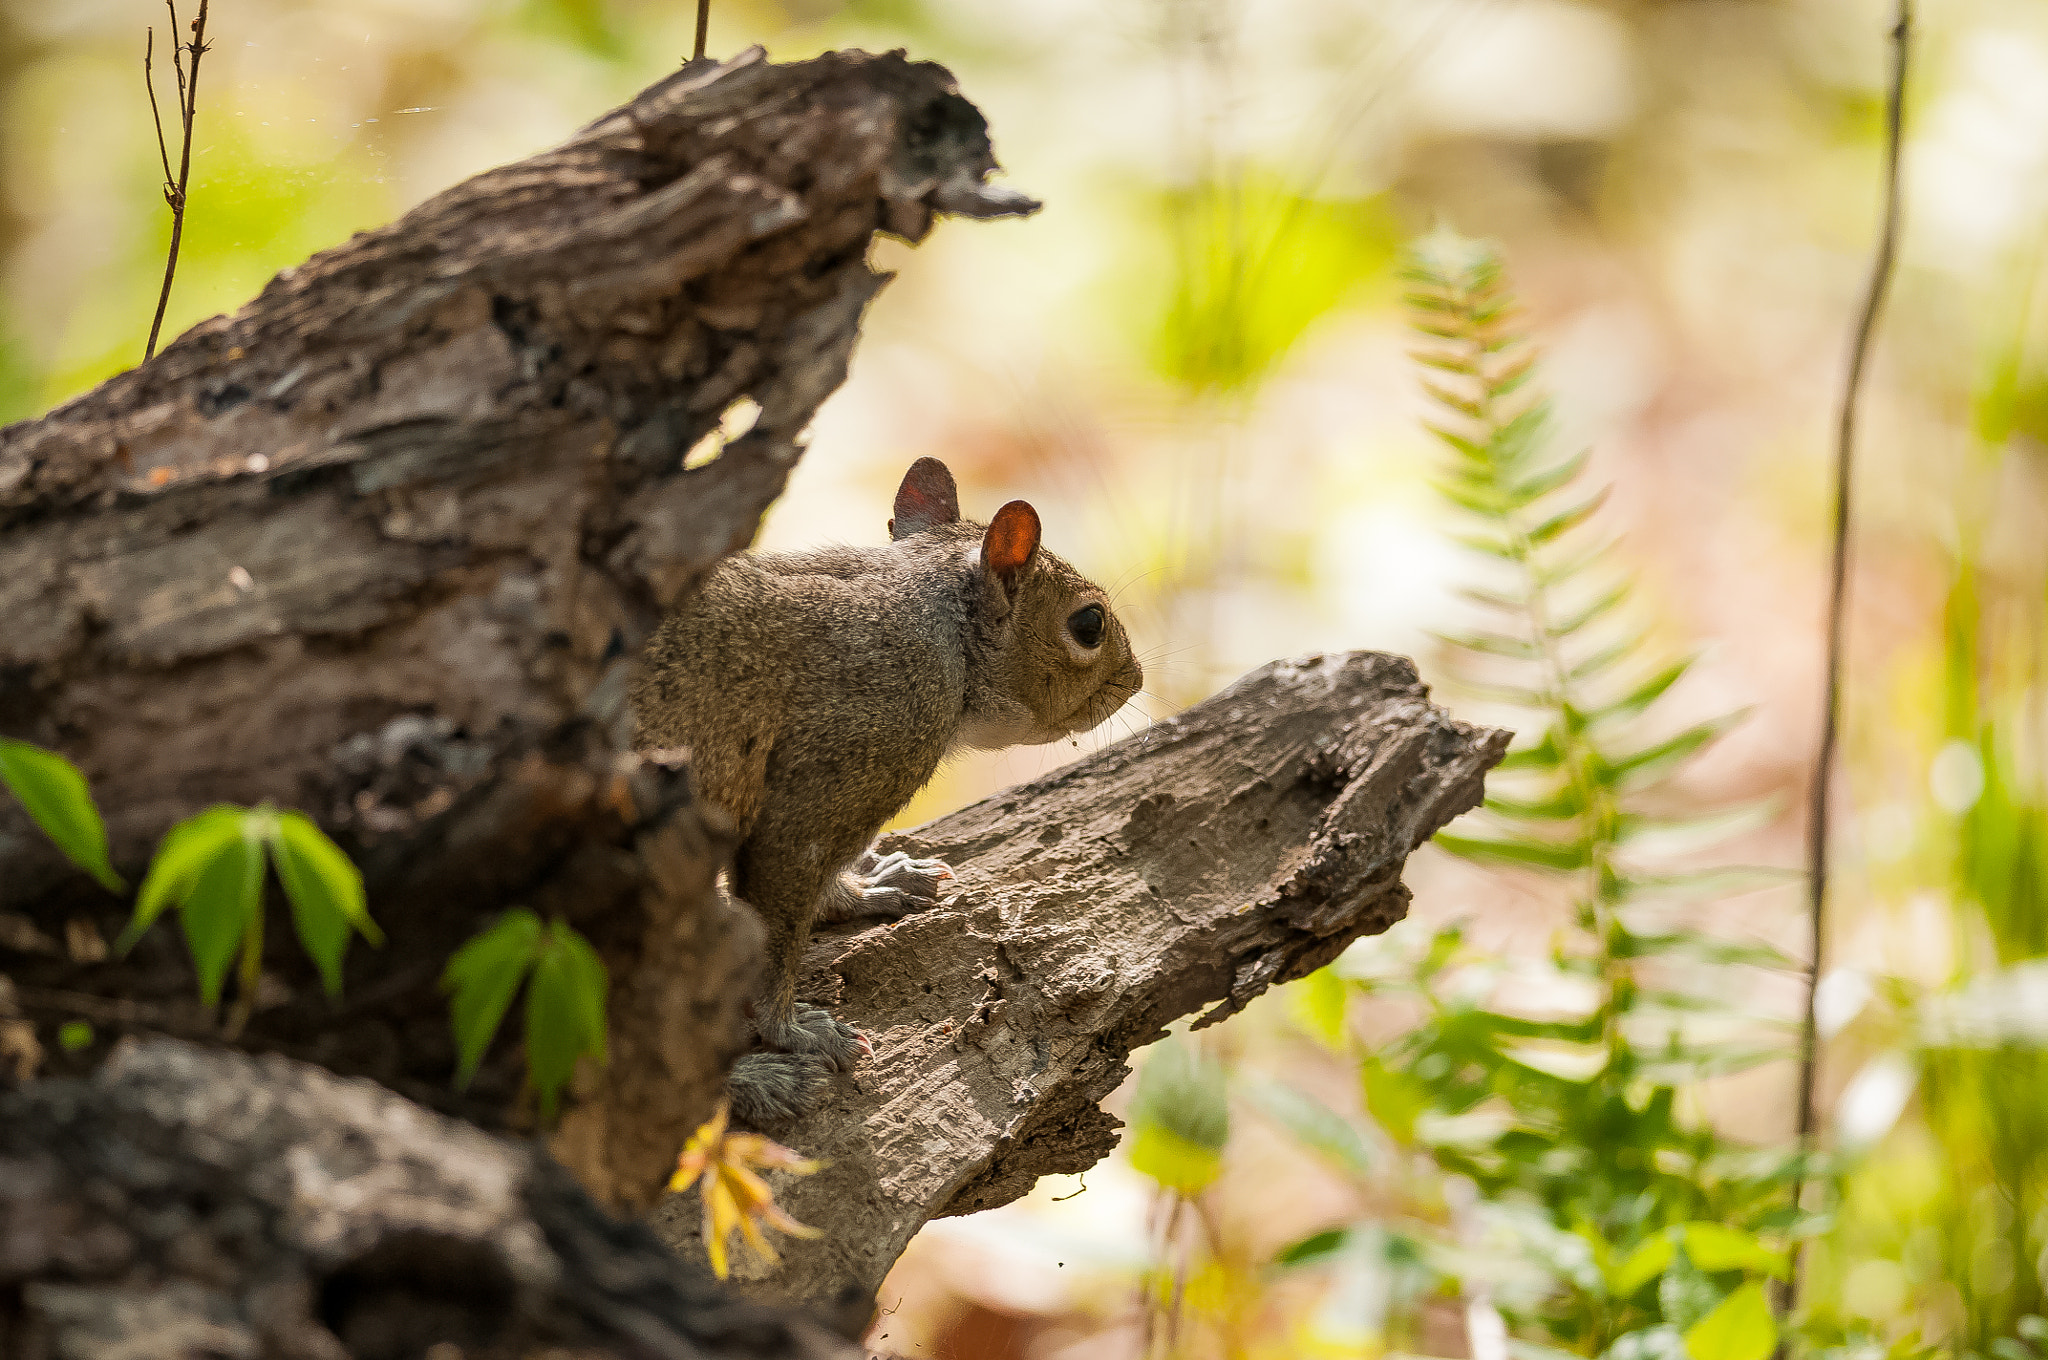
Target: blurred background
{"points": [[1196, 363]]}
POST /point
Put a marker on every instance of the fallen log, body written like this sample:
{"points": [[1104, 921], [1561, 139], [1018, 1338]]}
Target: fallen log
{"points": [[186, 1202], [1240, 845]]}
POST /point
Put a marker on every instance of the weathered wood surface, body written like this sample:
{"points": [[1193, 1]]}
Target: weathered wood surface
{"points": [[381, 544], [1240, 845], [184, 1203]]}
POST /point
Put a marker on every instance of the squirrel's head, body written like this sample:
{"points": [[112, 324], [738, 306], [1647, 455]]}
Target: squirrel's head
{"points": [[1052, 659]]}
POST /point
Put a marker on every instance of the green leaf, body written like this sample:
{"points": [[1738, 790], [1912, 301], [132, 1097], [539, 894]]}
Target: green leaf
{"points": [[1538, 484], [1740, 1328], [1490, 644], [1180, 1117], [326, 893], [1605, 659], [1643, 1265], [1527, 854], [1313, 1249], [1651, 762], [1319, 1005], [181, 856], [226, 896], [1314, 1125], [592, 986], [1716, 1246], [1599, 606], [1644, 694], [56, 798], [1564, 521], [564, 1012], [483, 976], [1543, 755], [73, 1035], [1394, 1098]]}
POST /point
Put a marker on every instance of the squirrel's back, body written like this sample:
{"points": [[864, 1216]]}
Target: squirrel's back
{"points": [[843, 668]]}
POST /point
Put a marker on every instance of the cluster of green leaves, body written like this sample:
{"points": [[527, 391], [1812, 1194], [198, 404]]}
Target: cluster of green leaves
{"points": [[211, 869], [1609, 1222], [566, 987]]}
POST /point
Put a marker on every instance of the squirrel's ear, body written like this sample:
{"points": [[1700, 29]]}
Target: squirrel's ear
{"points": [[926, 498], [1007, 547]]}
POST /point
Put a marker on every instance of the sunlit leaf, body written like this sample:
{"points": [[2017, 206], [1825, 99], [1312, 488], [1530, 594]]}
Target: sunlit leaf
{"points": [[1319, 1005], [482, 978], [1740, 1328], [564, 1012], [1314, 1249], [226, 896], [1544, 755], [56, 798], [1604, 659], [1394, 1098], [1716, 1246], [1643, 1265], [325, 891], [592, 986], [1642, 695], [1180, 1117], [1660, 758], [1597, 608], [1491, 644], [1564, 521], [181, 856], [1562, 858]]}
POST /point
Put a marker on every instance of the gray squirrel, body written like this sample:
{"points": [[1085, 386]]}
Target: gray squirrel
{"points": [[818, 691]]}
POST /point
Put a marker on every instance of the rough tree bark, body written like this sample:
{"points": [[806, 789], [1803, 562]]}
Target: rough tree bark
{"points": [[1240, 845], [381, 544], [186, 1203]]}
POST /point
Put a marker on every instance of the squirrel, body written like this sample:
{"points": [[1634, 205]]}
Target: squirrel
{"points": [[817, 691]]}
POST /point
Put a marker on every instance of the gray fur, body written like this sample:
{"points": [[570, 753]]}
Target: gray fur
{"points": [[818, 691]]}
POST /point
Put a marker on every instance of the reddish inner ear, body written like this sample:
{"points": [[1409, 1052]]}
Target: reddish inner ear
{"points": [[926, 498], [1011, 539]]}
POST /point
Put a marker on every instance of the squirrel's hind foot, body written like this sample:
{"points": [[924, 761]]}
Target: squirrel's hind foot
{"points": [[771, 1090], [815, 1032], [886, 886]]}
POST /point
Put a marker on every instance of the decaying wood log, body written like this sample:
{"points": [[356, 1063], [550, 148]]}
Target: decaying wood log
{"points": [[1240, 845], [381, 544], [190, 1203]]}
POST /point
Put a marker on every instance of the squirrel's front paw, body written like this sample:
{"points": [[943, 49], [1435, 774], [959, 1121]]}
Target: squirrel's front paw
{"points": [[769, 1090], [887, 886], [815, 1032]]}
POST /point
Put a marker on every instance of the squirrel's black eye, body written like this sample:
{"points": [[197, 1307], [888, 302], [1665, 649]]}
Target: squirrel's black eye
{"points": [[1085, 624]]}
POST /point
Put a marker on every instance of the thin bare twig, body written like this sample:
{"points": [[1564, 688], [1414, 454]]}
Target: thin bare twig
{"points": [[703, 28], [188, 106], [1838, 588], [155, 115]]}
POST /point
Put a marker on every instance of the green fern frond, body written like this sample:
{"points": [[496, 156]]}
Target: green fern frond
{"points": [[1562, 645]]}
